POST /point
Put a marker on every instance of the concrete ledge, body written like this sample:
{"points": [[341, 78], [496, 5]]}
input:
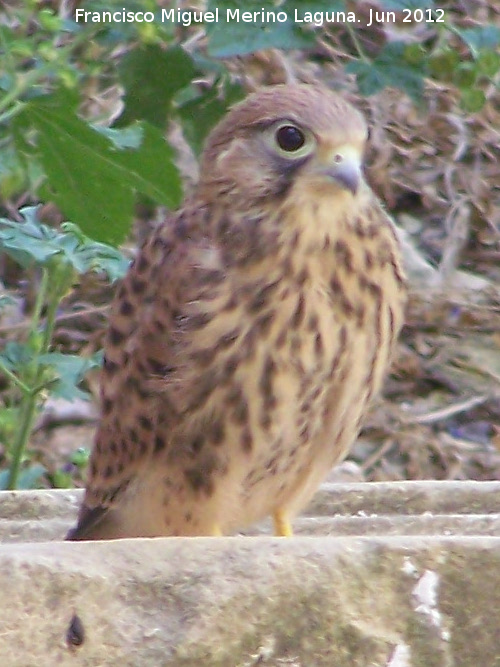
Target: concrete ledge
{"points": [[404, 596], [378, 508]]}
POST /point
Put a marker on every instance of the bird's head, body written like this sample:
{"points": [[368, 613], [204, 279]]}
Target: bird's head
{"points": [[291, 136]]}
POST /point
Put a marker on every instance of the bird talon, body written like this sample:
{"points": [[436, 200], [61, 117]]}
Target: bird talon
{"points": [[282, 525]]}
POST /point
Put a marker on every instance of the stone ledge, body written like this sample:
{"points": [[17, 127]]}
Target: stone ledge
{"points": [[377, 508], [390, 599], [311, 602], [435, 497]]}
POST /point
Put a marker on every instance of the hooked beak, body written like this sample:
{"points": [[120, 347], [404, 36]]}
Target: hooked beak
{"points": [[344, 167]]}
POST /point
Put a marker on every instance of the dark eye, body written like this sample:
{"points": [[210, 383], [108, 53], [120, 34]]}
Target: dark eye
{"points": [[289, 138]]}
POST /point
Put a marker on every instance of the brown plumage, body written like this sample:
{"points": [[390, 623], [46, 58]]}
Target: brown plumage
{"points": [[251, 332]]}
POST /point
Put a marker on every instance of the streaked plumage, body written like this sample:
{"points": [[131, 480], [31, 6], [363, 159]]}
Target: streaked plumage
{"points": [[251, 332]]}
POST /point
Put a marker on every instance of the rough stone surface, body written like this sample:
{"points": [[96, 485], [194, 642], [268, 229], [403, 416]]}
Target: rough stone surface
{"points": [[390, 574]]}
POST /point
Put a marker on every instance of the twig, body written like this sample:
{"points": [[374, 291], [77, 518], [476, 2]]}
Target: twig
{"points": [[444, 413], [60, 318]]}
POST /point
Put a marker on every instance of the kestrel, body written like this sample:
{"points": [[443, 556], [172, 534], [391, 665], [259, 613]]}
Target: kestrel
{"points": [[251, 331]]}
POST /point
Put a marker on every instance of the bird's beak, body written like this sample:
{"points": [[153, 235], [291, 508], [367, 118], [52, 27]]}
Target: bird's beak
{"points": [[343, 166]]}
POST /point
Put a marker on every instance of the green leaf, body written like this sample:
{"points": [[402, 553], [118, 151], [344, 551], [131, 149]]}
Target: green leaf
{"points": [[90, 178], [12, 176], [15, 355], [488, 63], [6, 300], [199, 115], [49, 20], [88, 255], [442, 65], [401, 5], [369, 79], [9, 422], [465, 75], [151, 77], [389, 69], [82, 179], [128, 137], [70, 370], [415, 54], [32, 243], [61, 480], [482, 37], [80, 457], [472, 100], [238, 37], [30, 477], [150, 169], [4, 479]]}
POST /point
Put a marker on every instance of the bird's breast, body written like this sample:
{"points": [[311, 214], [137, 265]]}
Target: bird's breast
{"points": [[281, 364]]}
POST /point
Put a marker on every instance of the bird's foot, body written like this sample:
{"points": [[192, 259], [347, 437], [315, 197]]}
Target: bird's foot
{"points": [[282, 525]]}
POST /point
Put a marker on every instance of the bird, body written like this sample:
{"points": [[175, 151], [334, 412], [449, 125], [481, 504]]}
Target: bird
{"points": [[252, 330]]}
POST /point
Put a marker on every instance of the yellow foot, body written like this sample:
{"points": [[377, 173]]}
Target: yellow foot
{"points": [[216, 531], [282, 525]]}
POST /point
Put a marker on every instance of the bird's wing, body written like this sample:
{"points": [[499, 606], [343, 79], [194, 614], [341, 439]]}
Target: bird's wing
{"points": [[141, 360]]}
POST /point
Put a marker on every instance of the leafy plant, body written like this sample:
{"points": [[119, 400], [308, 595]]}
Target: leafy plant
{"points": [[65, 80], [51, 146], [31, 366]]}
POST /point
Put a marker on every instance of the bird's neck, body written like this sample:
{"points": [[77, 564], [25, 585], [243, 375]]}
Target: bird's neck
{"points": [[313, 222]]}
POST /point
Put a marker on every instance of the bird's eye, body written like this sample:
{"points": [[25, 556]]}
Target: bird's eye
{"points": [[290, 138], [289, 141]]}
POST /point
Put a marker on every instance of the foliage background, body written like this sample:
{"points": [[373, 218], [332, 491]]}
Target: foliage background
{"points": [[101, 125]]}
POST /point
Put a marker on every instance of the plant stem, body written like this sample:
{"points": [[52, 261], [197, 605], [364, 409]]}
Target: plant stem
{"points": [[58, 277], [26, 80], [22, 84], [27, 415], [7, 115], [357, 43], [58, 290], [40, 299], [29, 397], [14, 379]]}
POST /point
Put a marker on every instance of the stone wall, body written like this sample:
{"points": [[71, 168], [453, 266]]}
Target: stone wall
{"points": [[383, 574]]}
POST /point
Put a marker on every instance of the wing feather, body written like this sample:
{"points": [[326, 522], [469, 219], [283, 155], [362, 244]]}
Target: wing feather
{"points": [[141, 351]]}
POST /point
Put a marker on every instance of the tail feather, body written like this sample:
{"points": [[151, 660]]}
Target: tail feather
{"points": [[89, 521]]}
